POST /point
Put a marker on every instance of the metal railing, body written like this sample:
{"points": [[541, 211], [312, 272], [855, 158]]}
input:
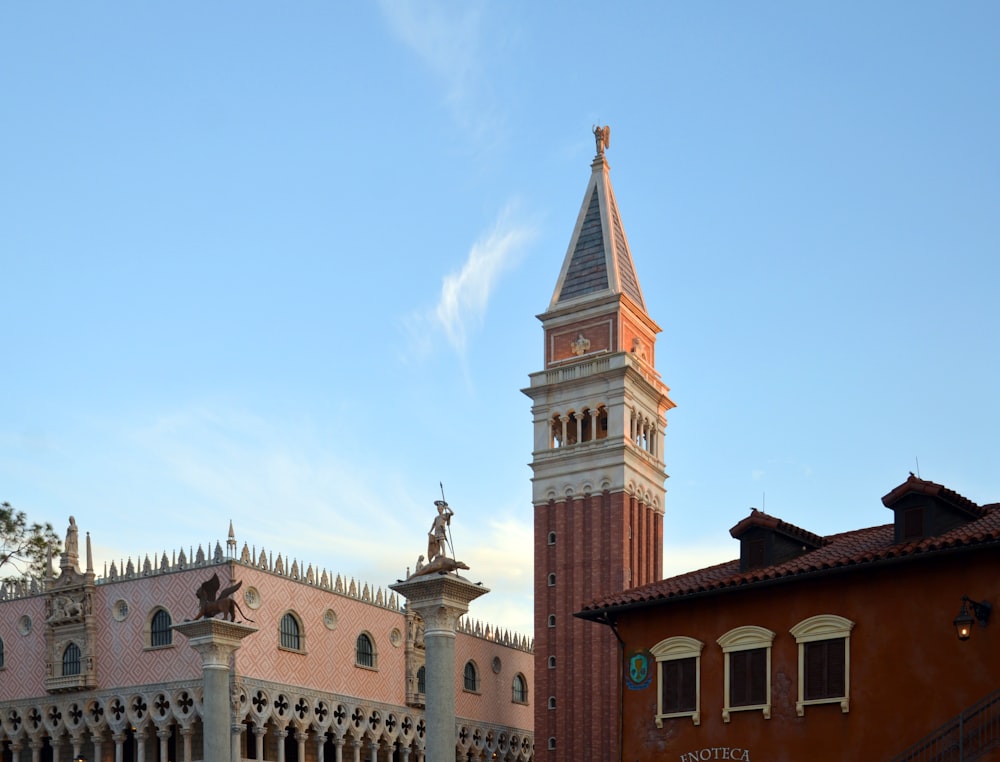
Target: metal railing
{"points": [[964, 738]]}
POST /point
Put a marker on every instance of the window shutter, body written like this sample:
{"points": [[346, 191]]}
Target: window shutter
{"points": [[758, 676], [738, 678], [825, 667], [837, 669], [679, 689]]}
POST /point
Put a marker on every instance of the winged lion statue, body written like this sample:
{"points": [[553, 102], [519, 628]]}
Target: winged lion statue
{"points": [[212, 601]]}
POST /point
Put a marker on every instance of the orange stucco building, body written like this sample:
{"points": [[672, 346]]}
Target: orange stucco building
{"points": [[809, 647]]}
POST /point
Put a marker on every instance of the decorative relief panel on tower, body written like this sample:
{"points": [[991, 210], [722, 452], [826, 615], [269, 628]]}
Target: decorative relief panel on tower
{"points": [[575, 341]]}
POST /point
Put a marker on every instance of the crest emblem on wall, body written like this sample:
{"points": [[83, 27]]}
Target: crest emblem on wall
{"points": [[639, 672]]}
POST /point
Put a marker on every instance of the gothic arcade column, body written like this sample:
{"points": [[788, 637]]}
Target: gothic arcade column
{"points": [[216, 640]]}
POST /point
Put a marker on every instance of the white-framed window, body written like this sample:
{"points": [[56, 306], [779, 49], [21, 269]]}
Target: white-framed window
{"points": [[824, 661], [747, 672], [678, 679]]}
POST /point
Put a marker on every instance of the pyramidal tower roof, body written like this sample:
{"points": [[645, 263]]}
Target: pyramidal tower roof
{"points": [[598, 261]]}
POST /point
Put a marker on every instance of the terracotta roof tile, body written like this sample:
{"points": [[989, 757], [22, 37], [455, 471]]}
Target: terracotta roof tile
{"points": [[859, 547]]}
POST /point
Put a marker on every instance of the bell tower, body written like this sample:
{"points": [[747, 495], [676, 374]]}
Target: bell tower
{"points": [[598, 408]]}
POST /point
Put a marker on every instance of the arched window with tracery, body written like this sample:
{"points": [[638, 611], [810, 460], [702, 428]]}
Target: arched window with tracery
{"points": [[160, 633], [291, 632], [471, 676], [519, 689], [71, 660], [364, 651]]}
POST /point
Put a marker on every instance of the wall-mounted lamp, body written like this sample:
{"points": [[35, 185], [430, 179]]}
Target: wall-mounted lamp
{"points": [[964, 621], [79, 758]]}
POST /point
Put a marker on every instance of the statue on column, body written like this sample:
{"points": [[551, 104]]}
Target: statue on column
{"points": [[438, 560], [437, 538], [212, 601]]}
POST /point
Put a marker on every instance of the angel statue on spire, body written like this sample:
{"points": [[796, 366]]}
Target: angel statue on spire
{"points": [[602, 135]]}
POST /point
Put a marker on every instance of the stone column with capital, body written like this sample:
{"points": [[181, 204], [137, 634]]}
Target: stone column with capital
{"points": [[216, 640], [440, 599]]}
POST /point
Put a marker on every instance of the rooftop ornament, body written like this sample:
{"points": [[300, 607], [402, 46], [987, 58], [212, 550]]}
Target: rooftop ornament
{"points": [[602, 135]]}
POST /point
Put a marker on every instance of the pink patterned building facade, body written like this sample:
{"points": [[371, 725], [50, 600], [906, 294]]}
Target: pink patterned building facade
{"points": [[91, 667]]}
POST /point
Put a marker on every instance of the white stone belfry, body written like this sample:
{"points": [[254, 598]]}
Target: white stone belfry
{"points": [[440, 599], [216, 640]]}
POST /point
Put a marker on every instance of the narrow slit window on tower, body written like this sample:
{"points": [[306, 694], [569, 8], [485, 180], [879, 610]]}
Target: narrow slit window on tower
{"points": [[552, 538], [552, 620], [552, 580]]}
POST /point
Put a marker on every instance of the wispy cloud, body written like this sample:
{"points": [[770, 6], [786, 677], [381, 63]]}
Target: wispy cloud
{"points": [[274, 479], [447, 37], [465, 293], [443, 35], [287, 491]]}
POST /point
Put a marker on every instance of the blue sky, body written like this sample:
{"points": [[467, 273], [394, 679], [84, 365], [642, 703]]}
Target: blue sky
{"points": [[280, 263]]}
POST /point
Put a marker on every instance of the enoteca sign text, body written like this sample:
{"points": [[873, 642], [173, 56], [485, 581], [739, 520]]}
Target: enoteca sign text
{"points": [[717, 752]]}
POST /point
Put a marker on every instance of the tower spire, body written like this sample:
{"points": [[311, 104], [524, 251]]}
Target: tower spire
{"points": [[599, 411], [598, 261]]}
